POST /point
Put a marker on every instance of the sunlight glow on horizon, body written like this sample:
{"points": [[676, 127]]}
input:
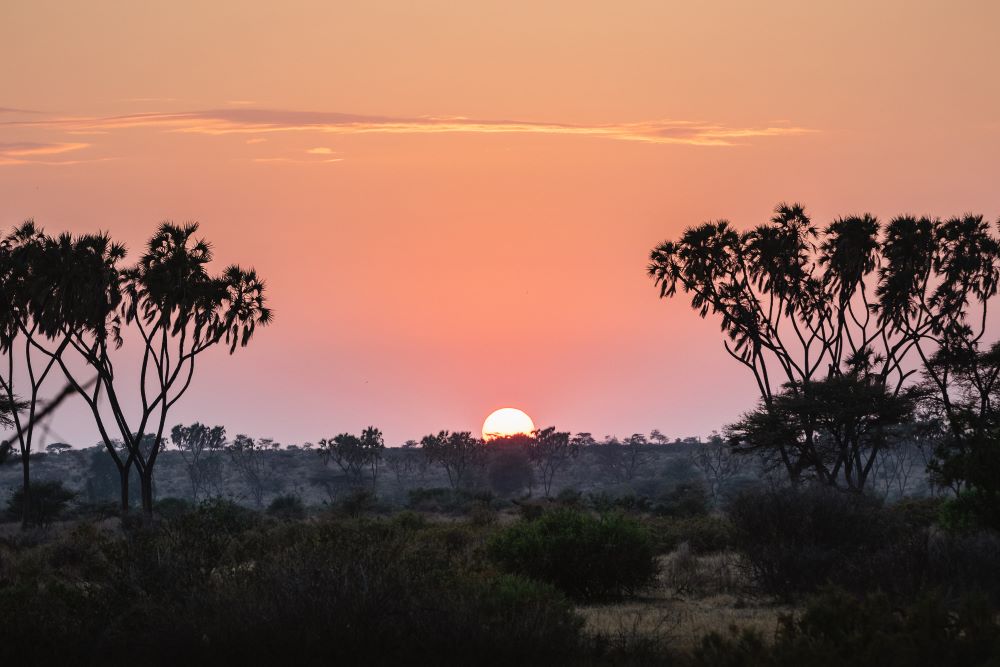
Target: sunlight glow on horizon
{"points": [[506, 422]]}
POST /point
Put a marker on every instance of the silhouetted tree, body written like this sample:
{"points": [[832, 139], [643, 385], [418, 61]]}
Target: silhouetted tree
{"points": [[177, 310], [509, 469], [37, 289], [254, 463], [198, 445], [58, 448], [718, 463], [966, 458], [353, 454], [550, 451], [801, 305], [657, 437], [456, 452]]}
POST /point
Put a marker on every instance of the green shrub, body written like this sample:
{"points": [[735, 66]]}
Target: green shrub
{"points": [[587, 557]]}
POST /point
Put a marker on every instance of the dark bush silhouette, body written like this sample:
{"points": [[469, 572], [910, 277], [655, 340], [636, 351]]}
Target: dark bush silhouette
{"points": [[793, 541], [510, 472], [287, 508], [218, 585], [840, 629], [47, 501], [587, 557]]}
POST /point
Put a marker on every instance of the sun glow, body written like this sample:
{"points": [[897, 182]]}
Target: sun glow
{"points": [[505, 422]]}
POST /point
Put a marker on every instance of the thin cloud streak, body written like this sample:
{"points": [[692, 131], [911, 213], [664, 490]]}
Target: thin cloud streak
{"points": [[262, 121], [25, 152]]}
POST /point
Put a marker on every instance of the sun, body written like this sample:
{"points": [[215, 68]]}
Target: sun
{"points": [[507, 421]]}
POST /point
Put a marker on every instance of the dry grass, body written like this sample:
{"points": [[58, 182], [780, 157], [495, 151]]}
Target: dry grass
{"points": [[695, 595]]}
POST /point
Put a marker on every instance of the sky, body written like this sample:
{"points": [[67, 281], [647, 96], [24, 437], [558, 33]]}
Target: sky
{"points": [[453, 202]]}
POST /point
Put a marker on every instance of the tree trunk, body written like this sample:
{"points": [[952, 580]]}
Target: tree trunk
{"points": [[123, 473], [26, 493], [146, 481]]}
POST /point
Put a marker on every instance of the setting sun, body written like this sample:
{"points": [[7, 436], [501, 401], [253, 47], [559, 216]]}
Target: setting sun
{"points": [[507, 421]]}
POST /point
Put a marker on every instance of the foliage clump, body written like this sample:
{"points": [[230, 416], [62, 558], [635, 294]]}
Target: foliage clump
{"points": [[587, 557]]}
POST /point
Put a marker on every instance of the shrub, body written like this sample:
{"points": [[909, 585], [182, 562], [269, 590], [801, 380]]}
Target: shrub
{"points": [[702, 534], [287, 508], [172, 508], [587, 557], [685, 500], [353, 591], [48, 500], [440, 500], [794, 541], [510, 472], [840, 629]]}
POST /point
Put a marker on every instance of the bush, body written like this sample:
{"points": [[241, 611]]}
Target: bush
{"points": [[703, 534], [587, 557], [794, 541], [840, 629], [48, 501], [510, 472], [287, 508], [211, 587], [685, 500], [172, 508], [440, 500]]}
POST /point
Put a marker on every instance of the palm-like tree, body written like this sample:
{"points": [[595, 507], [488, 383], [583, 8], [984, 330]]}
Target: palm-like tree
{"points": [[177, 310]]}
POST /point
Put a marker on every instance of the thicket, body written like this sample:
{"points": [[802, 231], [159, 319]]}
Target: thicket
{"points": [[587, 557], [223, 583]]}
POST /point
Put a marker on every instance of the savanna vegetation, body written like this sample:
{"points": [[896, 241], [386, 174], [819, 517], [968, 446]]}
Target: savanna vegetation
{"points": [[851, 517]]}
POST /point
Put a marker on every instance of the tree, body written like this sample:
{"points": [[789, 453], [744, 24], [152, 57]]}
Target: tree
{"points": [[852, 419], [800, 305], [656, 436], [403, 462], [253, 461], [58, 448], [177, 311], [198, 445], [967, 456], [456, 452], [353, 454], [718, 463], [37, 287], [549, 451], [43, 506], [622, 458], [510, 469]]}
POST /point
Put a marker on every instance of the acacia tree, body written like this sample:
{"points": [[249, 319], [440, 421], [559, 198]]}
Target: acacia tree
{"points": [[718, 463], [197, 445], [254, 462], [353, 454], [800, 305], [456, 452], [550, 451], [176, 310]]}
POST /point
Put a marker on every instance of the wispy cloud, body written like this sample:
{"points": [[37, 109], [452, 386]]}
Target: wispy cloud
{"points": [[32, 152], [262, 121], [320, 150], [289, 160]]}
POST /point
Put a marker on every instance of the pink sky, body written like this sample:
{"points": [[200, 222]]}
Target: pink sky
{"points": [[453, 203]]}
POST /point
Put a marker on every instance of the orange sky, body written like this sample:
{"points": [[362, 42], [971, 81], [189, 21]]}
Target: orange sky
{"points": [[453, 201]]}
